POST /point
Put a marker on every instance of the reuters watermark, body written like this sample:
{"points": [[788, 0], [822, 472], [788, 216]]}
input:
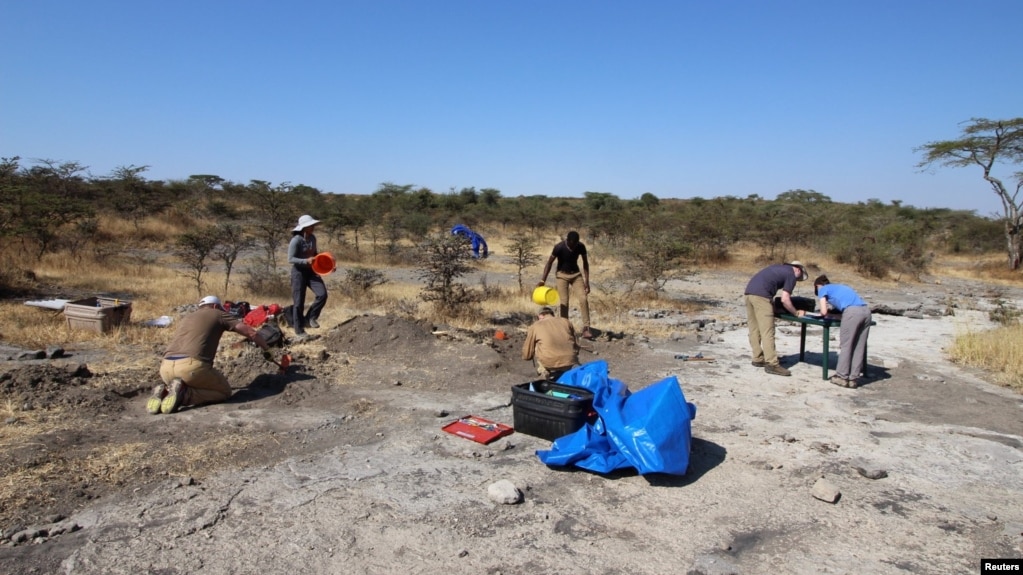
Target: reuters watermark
{"points": [[996, 566]]}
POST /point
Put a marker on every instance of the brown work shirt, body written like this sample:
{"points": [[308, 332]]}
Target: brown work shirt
{"points": [[199, 334], [552, 341]]}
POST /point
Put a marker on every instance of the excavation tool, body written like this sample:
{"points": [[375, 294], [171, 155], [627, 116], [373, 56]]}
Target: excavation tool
{"points": [[283, 364]]}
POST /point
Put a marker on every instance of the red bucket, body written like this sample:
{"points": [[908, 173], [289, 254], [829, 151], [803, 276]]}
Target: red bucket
{"points": [[323, 263]]}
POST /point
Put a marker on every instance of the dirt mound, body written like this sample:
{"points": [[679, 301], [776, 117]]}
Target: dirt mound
{"points": [[375, 335], [55, 387]]}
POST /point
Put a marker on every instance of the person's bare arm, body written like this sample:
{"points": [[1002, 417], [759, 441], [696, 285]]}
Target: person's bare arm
{"points": [[786, 302], [547, 269], [250, 332]]}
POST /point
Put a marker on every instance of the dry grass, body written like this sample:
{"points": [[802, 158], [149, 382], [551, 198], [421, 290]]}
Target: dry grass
{"points": [[999, 351], [991, 268], [158, 289]]}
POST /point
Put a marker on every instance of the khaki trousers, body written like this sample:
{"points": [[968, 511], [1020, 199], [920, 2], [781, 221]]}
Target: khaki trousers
{"points": [[573, 281], [550, 373], [205, 384], [760, 319]]}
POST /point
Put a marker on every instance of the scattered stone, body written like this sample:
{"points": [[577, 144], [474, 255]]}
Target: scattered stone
{"points": [[54, 352], [30, 355], [825, 491], [29, 534], [79, 370], [441, 413], [824, 447], [323, 355], [871, 472], [504, 492], [463, 553]]}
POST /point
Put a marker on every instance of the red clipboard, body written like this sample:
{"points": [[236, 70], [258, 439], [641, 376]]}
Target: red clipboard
{"points": [[478, 429]]}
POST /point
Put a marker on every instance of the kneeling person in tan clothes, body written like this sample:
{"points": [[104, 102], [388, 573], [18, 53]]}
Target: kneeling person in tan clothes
{"points": [[551, 344], [187, 371]]}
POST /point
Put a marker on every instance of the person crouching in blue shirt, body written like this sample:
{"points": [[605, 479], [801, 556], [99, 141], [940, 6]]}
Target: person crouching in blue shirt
{"points": [[843, 300]]}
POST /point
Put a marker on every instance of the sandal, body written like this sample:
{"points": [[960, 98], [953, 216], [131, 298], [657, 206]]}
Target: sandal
{"points": [[841, 381]]}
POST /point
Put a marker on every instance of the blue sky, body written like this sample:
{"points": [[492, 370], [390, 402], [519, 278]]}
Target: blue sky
{"points": [[676, 98]]}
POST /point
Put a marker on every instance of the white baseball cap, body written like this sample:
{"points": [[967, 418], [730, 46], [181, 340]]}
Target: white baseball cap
{"points": [[210, 300]]}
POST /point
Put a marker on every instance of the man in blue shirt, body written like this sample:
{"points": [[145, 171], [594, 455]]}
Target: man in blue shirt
{"points": [[856, 318], [760, 310]]}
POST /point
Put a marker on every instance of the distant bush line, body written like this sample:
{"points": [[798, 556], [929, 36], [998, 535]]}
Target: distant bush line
{"points": [[52, 207]]}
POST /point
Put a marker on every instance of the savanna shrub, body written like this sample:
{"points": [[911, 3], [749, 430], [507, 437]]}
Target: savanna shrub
{"points": [[1005, 313], [258, 281], [359, 280]]}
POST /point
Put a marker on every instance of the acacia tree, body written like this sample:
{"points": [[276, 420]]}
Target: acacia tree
{"points": [[131, 195], [231, 241], [194, 249], [273, 212], [986, 143], [52, 198], [444, 259], [523, 254]]}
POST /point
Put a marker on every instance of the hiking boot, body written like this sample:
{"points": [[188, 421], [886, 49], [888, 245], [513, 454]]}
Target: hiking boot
{"points": [[175, 396], [300, 337], [312, 323], [153, 403], [777, 370], [759, 363]]}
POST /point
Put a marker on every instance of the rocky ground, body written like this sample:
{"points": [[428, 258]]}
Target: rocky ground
{"points": [[340, 465]]}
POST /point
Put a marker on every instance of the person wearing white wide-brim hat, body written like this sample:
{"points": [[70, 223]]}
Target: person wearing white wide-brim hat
{"points": [[301, 252]]}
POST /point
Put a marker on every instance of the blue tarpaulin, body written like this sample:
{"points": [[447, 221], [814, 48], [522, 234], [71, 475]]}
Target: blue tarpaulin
{"points": [[649, 430], [477, 241]]}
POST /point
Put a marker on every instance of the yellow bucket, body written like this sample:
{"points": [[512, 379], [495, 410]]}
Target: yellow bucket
{"points": [[544, 295]]}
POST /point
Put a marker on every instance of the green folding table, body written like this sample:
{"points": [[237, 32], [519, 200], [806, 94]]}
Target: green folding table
{"points": [[825, 322]]}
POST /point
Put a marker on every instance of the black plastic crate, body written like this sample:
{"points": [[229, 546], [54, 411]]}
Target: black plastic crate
{"points": [[549, 417]]}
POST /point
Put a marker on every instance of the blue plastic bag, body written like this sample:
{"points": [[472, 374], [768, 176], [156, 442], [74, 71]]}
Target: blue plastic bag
{"points": [[649, 430]]}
